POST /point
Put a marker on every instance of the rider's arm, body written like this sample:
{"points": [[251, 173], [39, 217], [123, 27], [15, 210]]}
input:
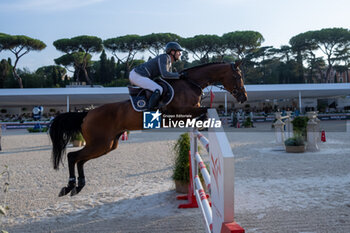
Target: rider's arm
{"points": [[164, 65]]}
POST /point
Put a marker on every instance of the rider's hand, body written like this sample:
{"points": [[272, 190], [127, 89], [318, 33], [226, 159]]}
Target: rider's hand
{"points": [[183, 75]]}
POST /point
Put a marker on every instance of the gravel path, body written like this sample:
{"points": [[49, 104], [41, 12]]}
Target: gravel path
{"points": [[130, 189]]}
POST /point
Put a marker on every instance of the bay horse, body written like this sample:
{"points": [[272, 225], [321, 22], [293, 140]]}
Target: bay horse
{"points": [[102, 126]]}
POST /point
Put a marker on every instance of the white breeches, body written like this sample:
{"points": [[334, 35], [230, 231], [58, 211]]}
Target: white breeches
{"points": [[144, 82]]}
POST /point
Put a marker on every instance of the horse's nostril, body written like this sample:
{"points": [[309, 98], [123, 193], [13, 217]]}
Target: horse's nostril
{"points": [[243, 98]]}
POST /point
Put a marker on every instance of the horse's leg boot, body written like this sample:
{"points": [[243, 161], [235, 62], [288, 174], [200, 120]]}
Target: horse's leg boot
{"points": [[154, 100]]}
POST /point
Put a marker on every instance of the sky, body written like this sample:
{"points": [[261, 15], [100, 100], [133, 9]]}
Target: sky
{"points": [[50, 20]]}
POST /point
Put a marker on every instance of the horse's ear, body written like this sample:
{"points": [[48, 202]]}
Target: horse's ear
{"points": [[238, 63]]}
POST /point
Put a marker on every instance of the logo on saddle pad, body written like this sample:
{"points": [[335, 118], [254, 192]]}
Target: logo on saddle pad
{"points": [[152, 120]]}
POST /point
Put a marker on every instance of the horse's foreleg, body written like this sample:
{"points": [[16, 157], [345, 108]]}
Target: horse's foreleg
{"points": [[72, 180]]}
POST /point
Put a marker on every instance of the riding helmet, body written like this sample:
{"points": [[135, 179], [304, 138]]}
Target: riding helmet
{"points": [[173, 46]]}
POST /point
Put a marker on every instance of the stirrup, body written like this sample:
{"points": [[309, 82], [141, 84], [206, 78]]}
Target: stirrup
{"points": [[154, 99]]}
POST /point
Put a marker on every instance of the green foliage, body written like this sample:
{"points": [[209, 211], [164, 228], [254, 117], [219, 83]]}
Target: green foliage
{"points": [[81, 63], [295, 141], [32, 130], [327, 40], [129, 44], [248, 123], [242, 42], [104, 70], [182, 164], [86, 44], [78, 53], [122, 82], [19, 45], [155, 42], [299, 125], [294, 63], [125, 44], [39, 79], [78, 137], [53, 76], [202, 46], [4, 71], [321, 107]]}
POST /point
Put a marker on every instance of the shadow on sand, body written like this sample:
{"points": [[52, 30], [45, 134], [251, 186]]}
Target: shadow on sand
{"points": [[154, 213]]}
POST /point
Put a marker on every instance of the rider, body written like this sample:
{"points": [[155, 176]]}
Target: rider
{"points": [[144, 74]]}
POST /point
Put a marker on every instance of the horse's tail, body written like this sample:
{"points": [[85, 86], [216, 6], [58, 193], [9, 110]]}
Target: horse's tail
{"points": [[62, 129]]}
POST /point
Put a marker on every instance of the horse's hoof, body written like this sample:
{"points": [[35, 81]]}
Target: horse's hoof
{"points": [[76, 190], [64, 191]]}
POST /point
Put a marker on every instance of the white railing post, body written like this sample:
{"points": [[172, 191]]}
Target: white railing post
{"points": [[312, 132], [279, 129], [289, 125]]}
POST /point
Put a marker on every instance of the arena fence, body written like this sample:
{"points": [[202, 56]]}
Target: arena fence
{"points": [[219, 214]]}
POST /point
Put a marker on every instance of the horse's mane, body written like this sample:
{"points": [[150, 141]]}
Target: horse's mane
{"points": [[202, 65]]}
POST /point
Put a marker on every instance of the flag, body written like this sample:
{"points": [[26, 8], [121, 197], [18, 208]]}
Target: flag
{"points": [[212, 96]]}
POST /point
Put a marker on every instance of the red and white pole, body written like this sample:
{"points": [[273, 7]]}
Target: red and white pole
{"points": [[204, 140], [203, 201], [204, 170]]}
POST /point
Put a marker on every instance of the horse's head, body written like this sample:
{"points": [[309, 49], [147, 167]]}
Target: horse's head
{"points": [[233, 82], [229, 75]]}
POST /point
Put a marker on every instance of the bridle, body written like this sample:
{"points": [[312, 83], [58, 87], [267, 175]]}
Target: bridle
{"points": [[235, 92]]}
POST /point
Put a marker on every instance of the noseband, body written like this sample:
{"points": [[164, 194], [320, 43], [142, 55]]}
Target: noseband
{"points": [[236, 92]]}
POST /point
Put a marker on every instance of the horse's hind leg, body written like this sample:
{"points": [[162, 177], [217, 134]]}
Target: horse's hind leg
{"points": [[74, 158], [81, 178], [80, 165], [72, 180]]}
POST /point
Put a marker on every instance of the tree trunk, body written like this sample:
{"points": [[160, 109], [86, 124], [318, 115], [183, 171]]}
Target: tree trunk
{"points": [[17, 77], [329, 68], [327, 73], [85, 71], [77, 74], [87, 77], [127, 71], [300, 67]]}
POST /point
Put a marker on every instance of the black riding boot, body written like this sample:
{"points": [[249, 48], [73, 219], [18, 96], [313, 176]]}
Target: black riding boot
{"points": [[153, 100]]}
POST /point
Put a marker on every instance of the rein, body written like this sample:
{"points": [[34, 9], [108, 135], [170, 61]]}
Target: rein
{"points": [[233, 92], [195, 84]]}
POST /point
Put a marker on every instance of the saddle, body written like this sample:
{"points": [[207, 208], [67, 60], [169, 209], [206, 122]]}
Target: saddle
{"points": [[139, 96]]}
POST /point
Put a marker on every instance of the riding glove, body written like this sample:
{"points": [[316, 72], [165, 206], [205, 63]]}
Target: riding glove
{"points": [[183, 75]]}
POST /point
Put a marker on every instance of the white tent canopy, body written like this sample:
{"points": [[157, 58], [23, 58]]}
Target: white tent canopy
{"points": [[88, 95]]}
